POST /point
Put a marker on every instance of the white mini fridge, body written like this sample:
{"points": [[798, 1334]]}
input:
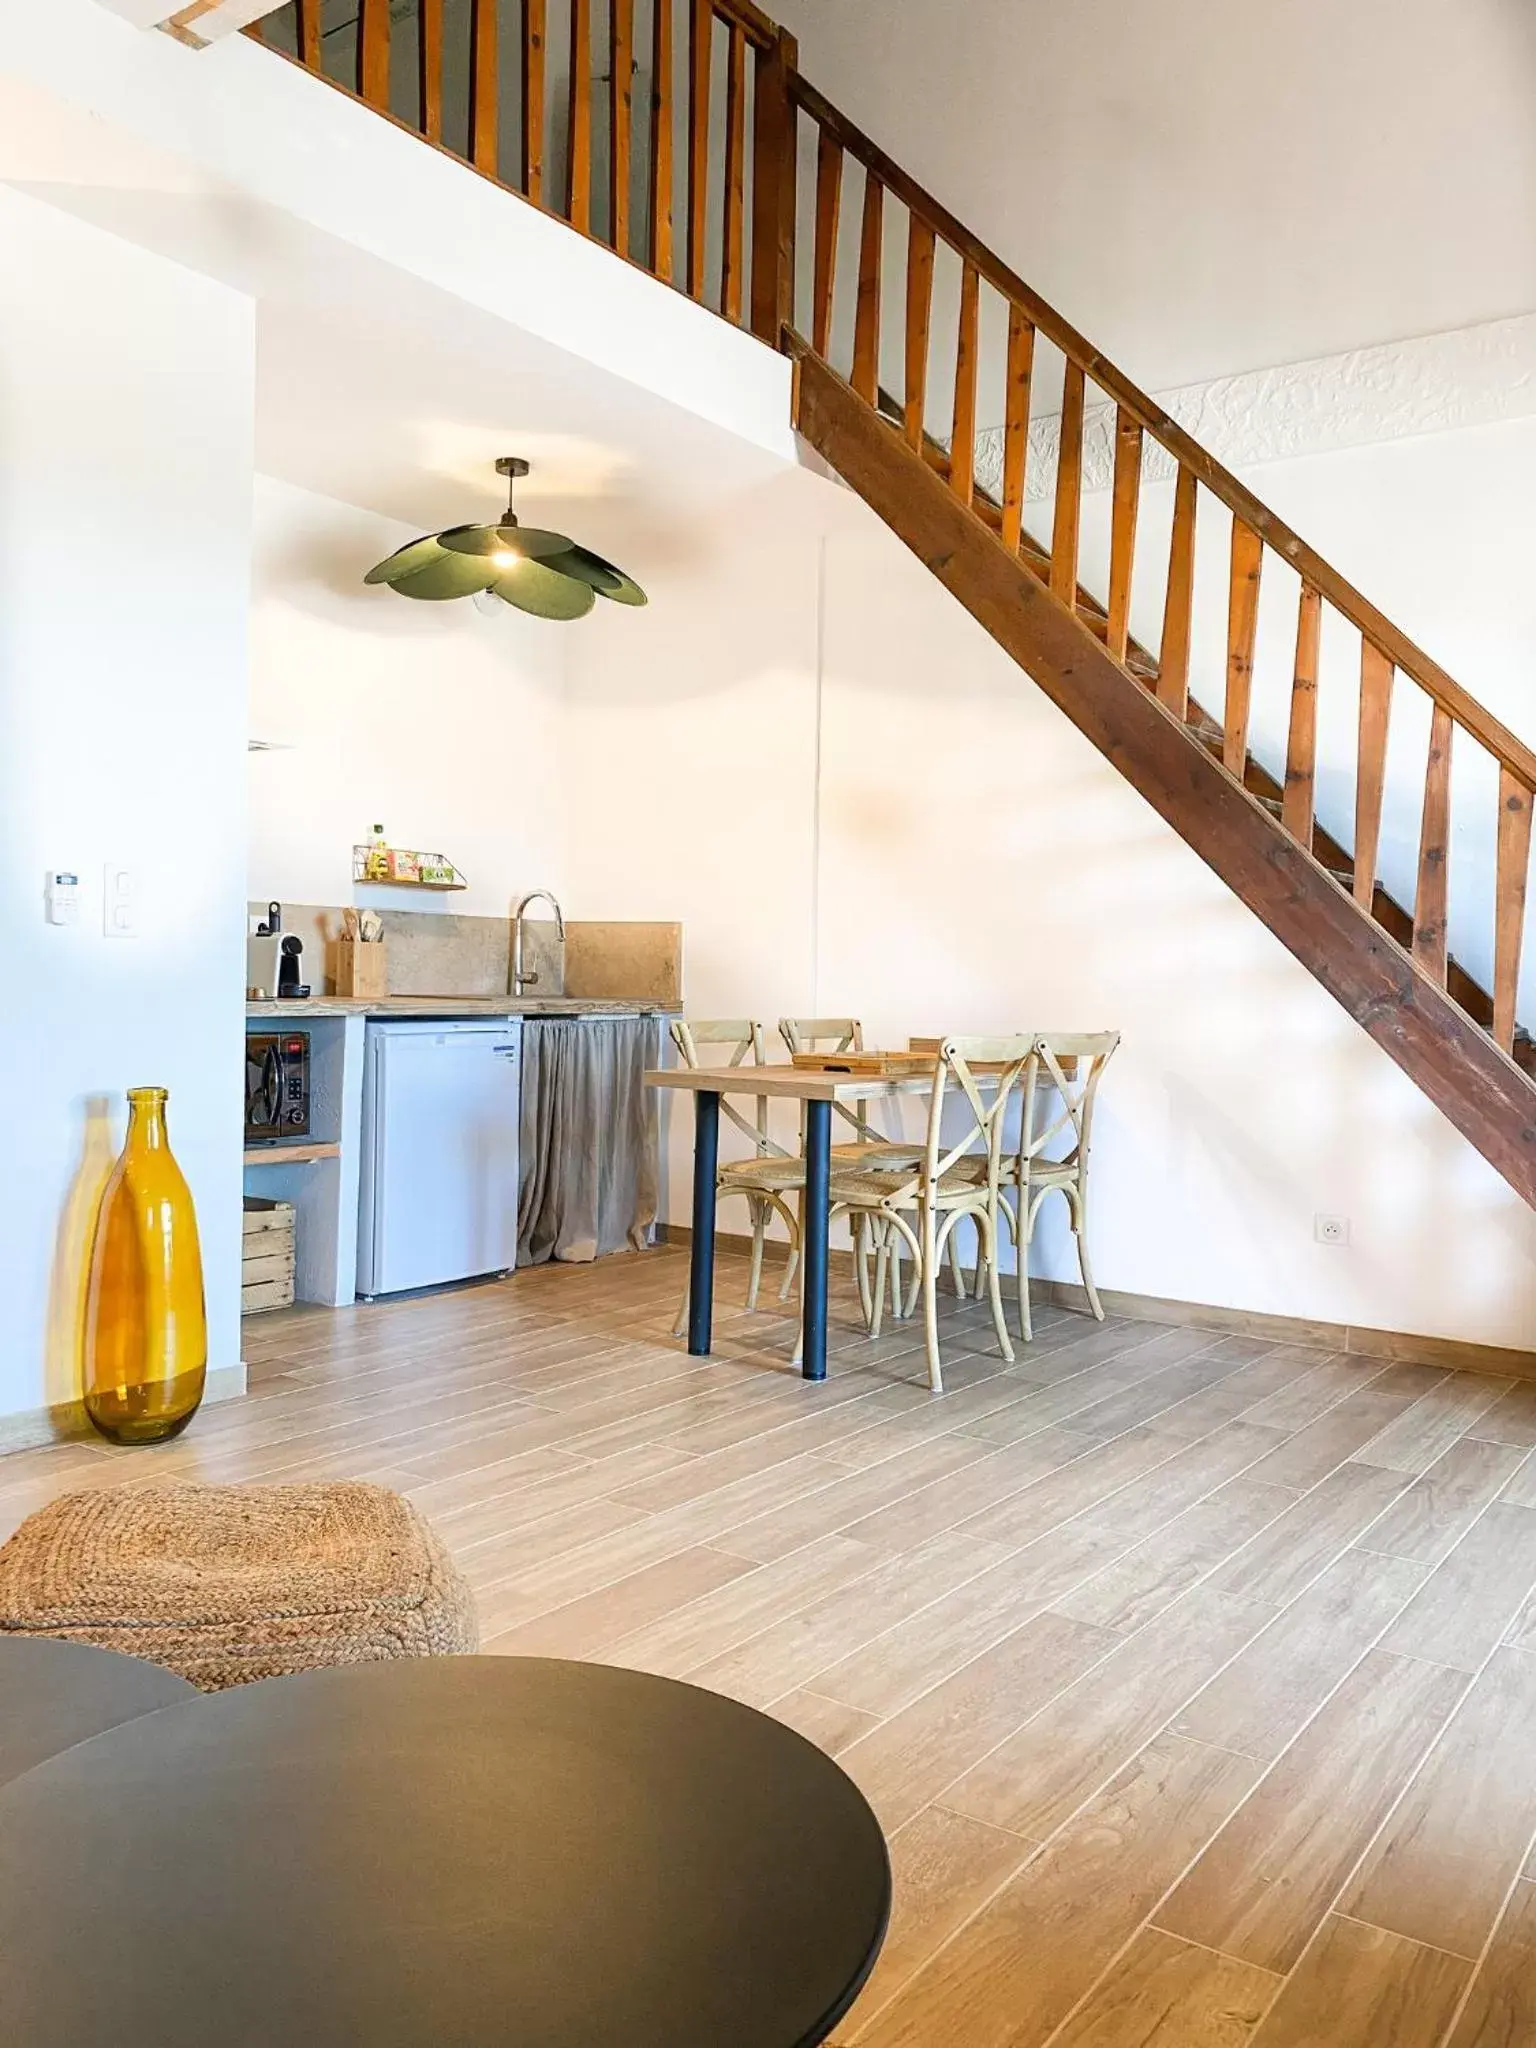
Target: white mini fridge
{"points": [[439, 1184]]}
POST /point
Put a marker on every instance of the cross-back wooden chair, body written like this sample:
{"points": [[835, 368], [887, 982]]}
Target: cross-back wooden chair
{"points": [[869, 1145], [919, 1207], [772, 1172], [1057, 1105]]}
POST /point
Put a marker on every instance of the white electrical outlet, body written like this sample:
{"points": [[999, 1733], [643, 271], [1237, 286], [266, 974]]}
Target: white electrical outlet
{"points": [[1331, 1229]]}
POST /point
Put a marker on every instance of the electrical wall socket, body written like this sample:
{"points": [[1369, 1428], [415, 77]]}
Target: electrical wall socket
{"points": [[1331, 1229]]}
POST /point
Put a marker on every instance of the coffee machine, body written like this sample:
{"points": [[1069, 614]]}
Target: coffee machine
{"points": [[274, 961]]}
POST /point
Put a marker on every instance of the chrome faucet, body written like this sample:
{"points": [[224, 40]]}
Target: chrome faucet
{"points": [[520, 978]]}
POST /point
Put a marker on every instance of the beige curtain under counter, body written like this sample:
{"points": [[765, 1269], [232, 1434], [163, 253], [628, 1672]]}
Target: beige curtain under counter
{"points": [[590, 1151]]}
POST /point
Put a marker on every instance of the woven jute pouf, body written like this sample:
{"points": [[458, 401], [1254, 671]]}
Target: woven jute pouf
{"points": [[226, 1584]]}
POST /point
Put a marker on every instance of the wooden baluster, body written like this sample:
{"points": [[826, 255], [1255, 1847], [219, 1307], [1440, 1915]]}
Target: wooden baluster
{"points": [[866, 325], [621, 89], [1122, 530], [429, 68], [1429, 902], [660, 250], [962, 440], [733, 251], [919, 309], [1021, 363], [484, 85], [829, 188], [373, 52], [1514, 860], [1178, 606], [1069, 490], [1376, 673], [701, 41], [1242, 633], [578, 184], [775, 135], [532, 102], [306, 33], [1301, 745]]}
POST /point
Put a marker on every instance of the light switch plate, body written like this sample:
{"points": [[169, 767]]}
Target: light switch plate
{"points": [[119, 900]]}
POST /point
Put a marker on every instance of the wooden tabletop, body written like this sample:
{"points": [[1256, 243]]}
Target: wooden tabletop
{"points": [[812, 1084], [798, 1084]]}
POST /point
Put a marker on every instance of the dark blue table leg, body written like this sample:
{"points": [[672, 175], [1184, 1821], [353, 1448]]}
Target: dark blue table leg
{"points": [[701, 1262], [818, 1173]]}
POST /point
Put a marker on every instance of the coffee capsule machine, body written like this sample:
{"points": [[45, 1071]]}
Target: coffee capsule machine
{"points": [[274, 961]]}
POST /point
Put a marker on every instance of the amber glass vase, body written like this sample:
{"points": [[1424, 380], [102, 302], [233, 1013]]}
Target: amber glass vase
{"points": [[146, 1330]]}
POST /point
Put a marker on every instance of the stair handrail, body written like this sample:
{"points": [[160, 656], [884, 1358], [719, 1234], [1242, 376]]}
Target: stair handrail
{"points": [[1315, 569], [760, 29]]}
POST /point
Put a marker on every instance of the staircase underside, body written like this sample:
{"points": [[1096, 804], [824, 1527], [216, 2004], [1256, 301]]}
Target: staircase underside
{"points": [[1488, 1098], [1391, 915]]}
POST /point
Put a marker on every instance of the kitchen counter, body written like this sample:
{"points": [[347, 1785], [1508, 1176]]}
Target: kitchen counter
{"points": [[321, 1175], [456, 1006]]}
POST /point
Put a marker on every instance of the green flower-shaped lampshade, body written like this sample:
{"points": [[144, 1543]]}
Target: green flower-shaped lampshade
{"points": [[541, 572]]}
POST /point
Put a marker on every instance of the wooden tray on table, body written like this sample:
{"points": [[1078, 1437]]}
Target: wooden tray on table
{"points": [[880, 1066], [917, 1060]]}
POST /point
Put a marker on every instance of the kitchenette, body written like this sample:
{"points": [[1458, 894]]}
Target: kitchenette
{"points": [[479, 1109]]}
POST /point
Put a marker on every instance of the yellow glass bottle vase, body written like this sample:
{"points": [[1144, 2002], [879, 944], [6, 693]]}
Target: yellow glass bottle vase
{"points": [[146, 1328]]}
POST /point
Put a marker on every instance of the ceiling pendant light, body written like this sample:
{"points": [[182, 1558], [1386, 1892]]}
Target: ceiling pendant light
{"points": [[541, 572]]}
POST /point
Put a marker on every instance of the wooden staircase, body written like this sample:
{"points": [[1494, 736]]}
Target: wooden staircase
{"points": [[705, 178], [1469, 994]]}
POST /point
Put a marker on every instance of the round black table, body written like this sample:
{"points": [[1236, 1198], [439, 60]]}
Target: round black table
{"points": [[448, 1853], [55, 1694]]}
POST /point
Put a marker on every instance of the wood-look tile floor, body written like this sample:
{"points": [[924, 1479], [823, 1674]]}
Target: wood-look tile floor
{"points": [[1193, 1678]]}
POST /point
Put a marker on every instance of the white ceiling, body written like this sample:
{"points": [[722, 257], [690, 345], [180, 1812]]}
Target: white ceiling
{"points": [[1210, 186], [399, 397]]}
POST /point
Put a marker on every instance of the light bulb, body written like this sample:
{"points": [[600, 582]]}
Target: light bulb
{"points": [[505, 558]]}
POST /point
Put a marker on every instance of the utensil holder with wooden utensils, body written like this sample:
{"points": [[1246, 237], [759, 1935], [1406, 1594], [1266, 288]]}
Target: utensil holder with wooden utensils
{"points": [[362, 970]]}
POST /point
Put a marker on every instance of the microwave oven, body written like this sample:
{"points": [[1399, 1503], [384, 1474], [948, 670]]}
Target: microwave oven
{"points": [[276, 1086]]}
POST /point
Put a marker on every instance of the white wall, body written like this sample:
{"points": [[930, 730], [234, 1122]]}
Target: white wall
{"points": [[1244, 1101], [1202, 187], [126, 396], [434, 719], [970, 863], [691, 747]]}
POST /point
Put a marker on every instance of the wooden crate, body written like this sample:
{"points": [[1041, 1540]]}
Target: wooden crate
{"points": [[266, 1264]]}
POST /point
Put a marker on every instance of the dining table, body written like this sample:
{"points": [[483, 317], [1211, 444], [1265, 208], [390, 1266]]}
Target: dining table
{"points": [[816, 1087]]}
